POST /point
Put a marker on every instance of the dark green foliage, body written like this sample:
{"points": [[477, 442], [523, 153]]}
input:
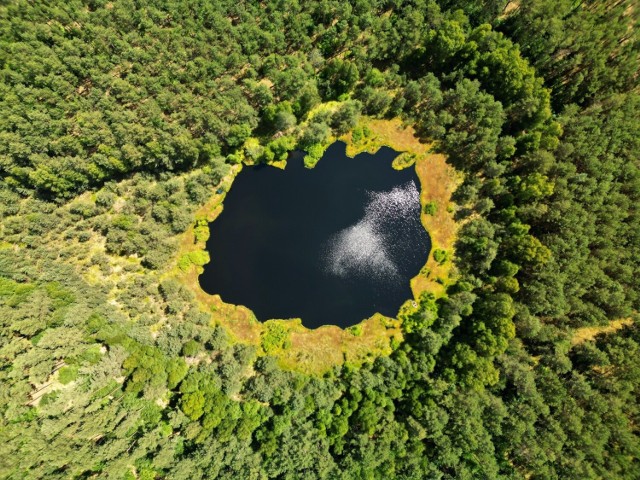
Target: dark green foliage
{"points": [[478, 11], [338, 77], [314, 134], [97, 103], [110, 369], [583, 50], [346, 117], [375, 102], [596, 192]]}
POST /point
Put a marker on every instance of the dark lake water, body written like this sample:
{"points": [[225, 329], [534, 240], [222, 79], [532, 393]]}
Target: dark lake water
{"points": [[331, 245]]}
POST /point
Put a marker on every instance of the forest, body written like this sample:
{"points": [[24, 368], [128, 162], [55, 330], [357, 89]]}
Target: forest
{"points": [[119, 119]]}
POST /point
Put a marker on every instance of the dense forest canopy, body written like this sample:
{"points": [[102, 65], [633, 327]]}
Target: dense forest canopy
{"points": [[119, 119]]}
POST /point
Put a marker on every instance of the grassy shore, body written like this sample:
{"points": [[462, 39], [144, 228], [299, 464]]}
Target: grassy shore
{"points": [[317, 351]]}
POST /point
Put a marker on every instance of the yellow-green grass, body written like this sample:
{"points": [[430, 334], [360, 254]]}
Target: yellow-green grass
{"points": [[586, 334], [317, 351]]}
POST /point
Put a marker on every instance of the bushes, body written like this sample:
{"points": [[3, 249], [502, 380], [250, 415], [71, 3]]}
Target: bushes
{"points": [[338, 77], [430, 208], [201, 231], [275, 337], [355, 330], [196, 257], [360, 133], [440, 255], [279, 149], [315, 134], [345, 117]]}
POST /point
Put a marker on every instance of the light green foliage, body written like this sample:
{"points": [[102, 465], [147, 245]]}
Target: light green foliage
{"points": [[185, 262], [430, 208], [360, 133], [419, 315], [534, 187], [253, 150], [199, 257], [275, 337], [67, 374], [355, 330], [195, 257], [146, 368], [192, 404], [14, 293], [314, 154], [202, 400], [405, 160], [279, 149], [191, 348], [440, 255], [176, 370], [201, 231], [375, 78]]}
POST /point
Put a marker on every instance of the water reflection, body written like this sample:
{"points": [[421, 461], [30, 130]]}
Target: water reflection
{"points": [[331, 245]]}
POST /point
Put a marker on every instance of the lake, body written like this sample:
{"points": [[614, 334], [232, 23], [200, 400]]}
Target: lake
{"points": [[331, 245]]}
